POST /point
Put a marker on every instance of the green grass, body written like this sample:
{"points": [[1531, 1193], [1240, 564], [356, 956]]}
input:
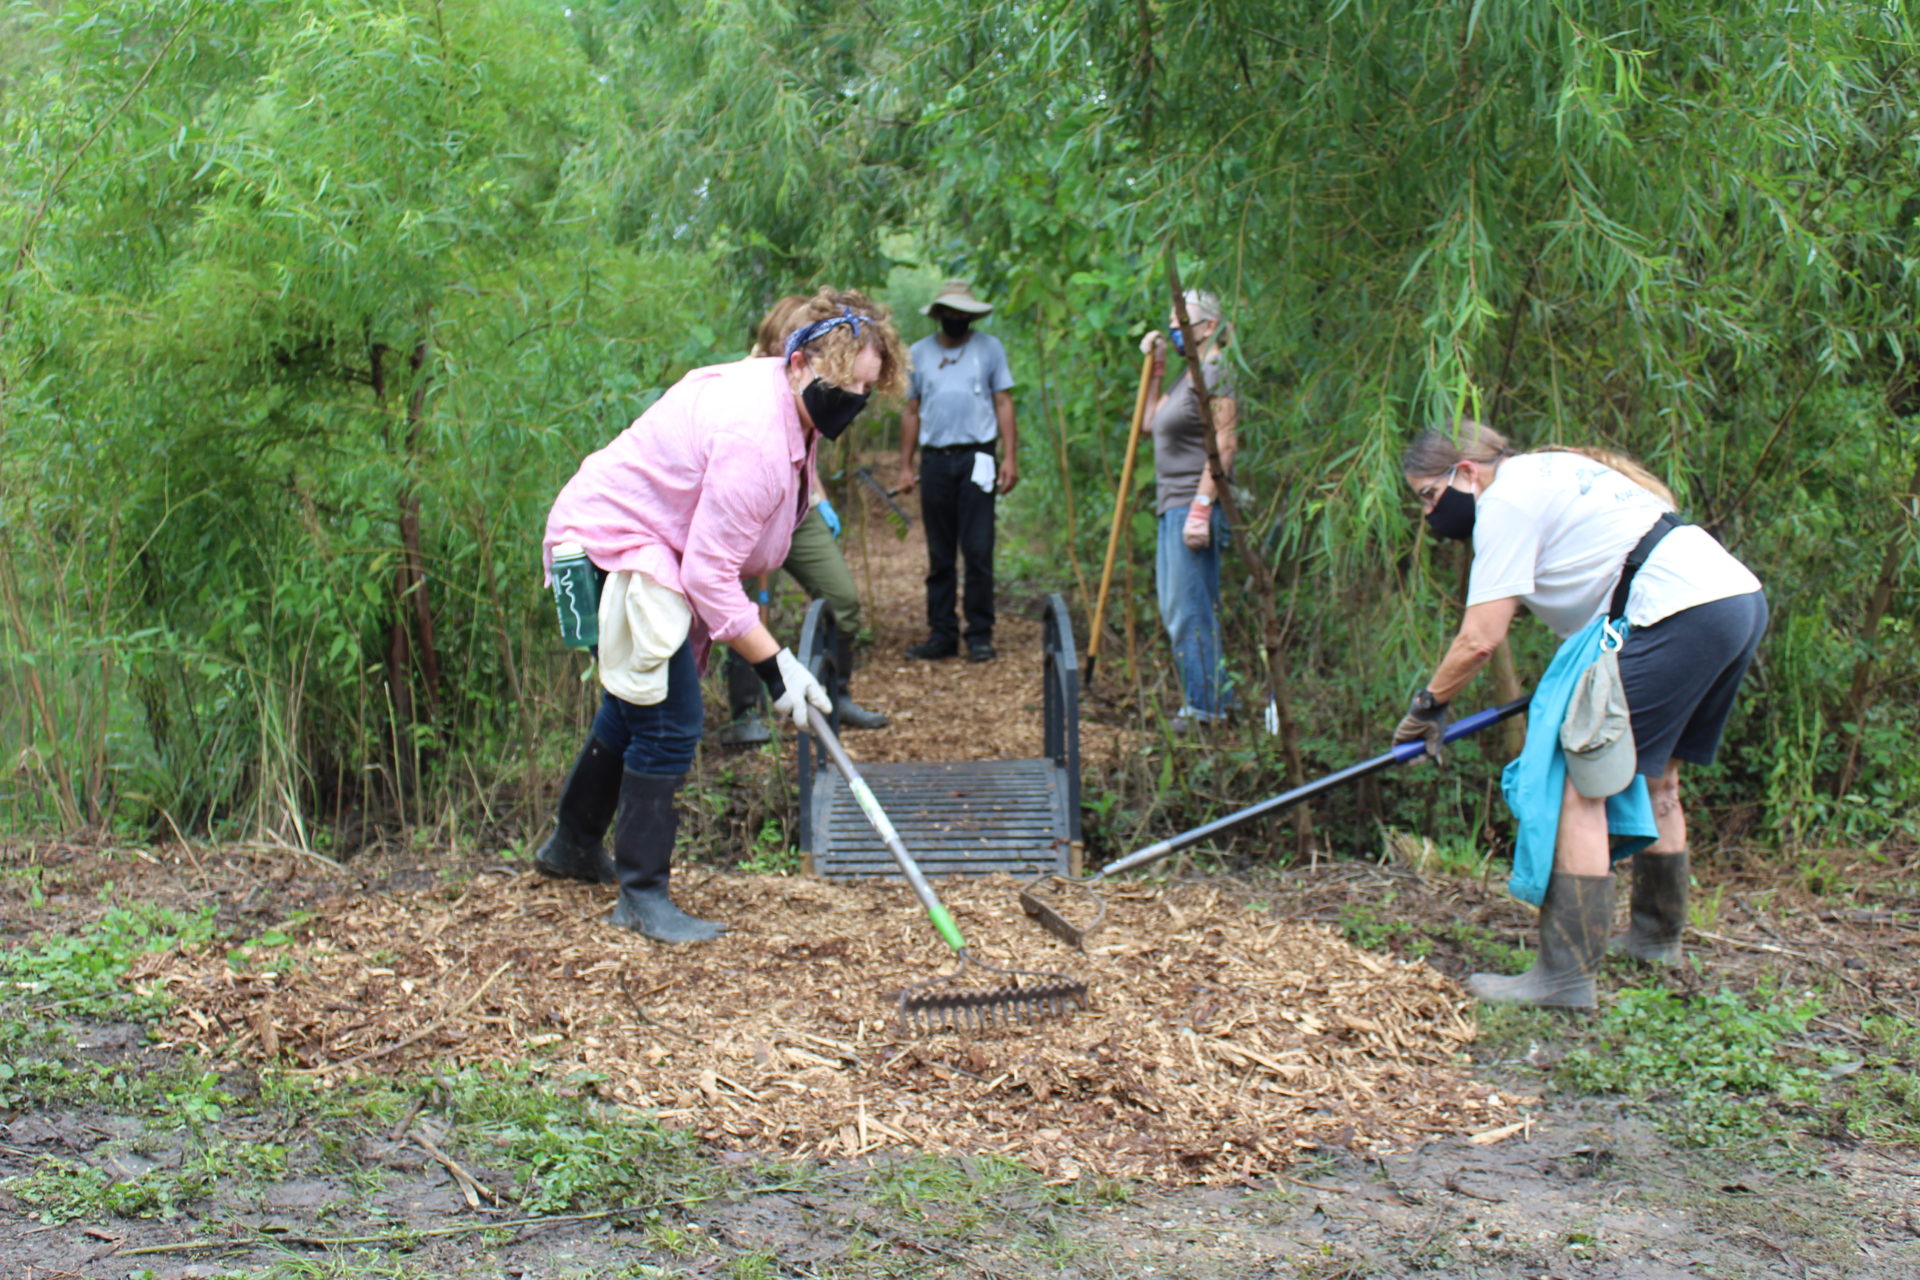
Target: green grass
{"points": [[81, 973], [1375, 926], [570, 1153], [1714, 1070]]}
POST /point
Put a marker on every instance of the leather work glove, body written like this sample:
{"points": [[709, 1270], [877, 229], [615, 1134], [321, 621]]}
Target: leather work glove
{"points": [[831, 516], [792, 687], [1425, 720], [1197, 533]]}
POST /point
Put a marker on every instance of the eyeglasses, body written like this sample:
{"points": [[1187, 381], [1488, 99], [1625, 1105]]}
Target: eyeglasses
{"points": [[1430, 493]]}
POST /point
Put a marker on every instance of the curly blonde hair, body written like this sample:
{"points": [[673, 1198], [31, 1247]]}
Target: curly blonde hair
{"points": [[832, 353], [770, 337]]}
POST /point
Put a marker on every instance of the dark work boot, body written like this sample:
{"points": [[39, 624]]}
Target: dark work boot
{"points": [[852, 714], [574, 851], [1657, 912], [1575, 919], [643, 853], [745, 693]]}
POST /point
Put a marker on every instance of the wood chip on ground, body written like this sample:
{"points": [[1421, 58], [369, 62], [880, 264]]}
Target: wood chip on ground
{"points": [[1220, 1043]]}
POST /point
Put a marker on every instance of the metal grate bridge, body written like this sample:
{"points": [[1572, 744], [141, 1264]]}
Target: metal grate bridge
{"points": [[963, 817]]}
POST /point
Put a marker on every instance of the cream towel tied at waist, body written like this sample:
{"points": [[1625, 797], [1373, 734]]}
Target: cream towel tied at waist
{"points": [[642, 624]]}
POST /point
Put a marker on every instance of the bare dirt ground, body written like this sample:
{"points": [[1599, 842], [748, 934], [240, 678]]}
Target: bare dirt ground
{"points": [[1582, 1188], [1550, 1183]]}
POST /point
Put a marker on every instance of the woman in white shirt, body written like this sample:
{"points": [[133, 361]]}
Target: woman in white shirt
{"points": [[1552, 530]]}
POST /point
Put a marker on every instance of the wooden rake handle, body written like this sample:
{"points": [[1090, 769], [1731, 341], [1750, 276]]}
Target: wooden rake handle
{"points": [[1119, 513]]}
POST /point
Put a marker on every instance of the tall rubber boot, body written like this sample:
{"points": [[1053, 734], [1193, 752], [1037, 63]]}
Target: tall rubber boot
{"points": [[1657, 912], [643, 854], [745, 693], [574, 851], [852, 714], [1575, 919]]}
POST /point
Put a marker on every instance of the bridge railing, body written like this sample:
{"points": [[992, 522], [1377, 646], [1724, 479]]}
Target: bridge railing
{"points": [[1060, 702]]}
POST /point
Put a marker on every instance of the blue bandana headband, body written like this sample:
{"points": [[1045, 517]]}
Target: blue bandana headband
{"points": [[820, 328]]}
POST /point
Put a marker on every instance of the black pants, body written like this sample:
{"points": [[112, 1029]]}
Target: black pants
{"points": [[959, 518]]}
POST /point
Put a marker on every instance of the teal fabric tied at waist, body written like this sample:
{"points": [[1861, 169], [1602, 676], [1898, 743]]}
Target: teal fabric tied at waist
{"points": [[1535, 783]]}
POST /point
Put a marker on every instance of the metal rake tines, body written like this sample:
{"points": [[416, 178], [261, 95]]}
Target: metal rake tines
{"points": [[962, 1004]]}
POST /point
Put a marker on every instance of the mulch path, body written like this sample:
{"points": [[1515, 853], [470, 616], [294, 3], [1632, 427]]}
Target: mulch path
{"points": [[1222, 1041], [952, 709]]}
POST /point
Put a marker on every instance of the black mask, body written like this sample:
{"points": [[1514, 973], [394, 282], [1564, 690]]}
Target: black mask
{"points": [[1452, 515], [832, 408], [955, 323]]}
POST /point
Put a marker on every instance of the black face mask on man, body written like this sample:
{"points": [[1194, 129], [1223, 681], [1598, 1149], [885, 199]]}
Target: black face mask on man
{"points": [[1452, 514], [832, 408], [955, 323]]}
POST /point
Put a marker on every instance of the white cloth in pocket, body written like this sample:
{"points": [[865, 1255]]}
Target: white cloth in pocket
{"points": [[984, 471], [642, 624]]}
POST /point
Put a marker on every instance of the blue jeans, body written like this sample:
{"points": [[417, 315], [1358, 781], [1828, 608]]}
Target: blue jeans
{"points": [[1188, 582], [661, 738]]}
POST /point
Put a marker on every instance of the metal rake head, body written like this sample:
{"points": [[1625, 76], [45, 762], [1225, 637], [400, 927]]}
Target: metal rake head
{"points": [[999, 998], [1047, 915]]}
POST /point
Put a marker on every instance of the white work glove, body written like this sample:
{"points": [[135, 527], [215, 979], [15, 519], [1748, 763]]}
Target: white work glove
{"points": [[1154, 344], [793, 687]]}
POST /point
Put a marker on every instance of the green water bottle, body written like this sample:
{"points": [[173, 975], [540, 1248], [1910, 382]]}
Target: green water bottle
{"points": [[576, 594]]}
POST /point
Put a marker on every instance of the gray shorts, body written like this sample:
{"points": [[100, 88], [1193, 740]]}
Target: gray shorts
{"points": [[1680, 675]]}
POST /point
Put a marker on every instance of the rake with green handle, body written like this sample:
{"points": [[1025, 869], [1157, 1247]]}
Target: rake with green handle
{"points": [[962, 1000]]}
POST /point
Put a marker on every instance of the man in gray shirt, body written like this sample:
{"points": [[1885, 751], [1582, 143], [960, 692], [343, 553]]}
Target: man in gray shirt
{"points": [[959, 406]]}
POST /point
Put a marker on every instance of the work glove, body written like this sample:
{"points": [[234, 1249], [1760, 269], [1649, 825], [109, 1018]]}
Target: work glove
{"points": [[1425, 720], [792, 687], [831, 516], [1197, 533], [1154, 344]]}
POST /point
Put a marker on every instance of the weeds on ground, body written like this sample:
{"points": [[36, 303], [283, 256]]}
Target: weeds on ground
{"points": [[1375, 926], [568, 1152], [80, 973], [1712, 1070], [1877, 1095]]}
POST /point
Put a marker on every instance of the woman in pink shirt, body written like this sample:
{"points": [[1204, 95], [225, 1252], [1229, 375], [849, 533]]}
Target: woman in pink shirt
{"points": [[705, 488]]}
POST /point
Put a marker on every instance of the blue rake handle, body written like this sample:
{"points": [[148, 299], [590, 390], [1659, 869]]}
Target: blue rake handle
{"points": [[1405, 753]]}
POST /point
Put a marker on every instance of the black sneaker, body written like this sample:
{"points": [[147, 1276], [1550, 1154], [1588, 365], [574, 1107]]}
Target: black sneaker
{"points": [[980, 651], [933, 650]]}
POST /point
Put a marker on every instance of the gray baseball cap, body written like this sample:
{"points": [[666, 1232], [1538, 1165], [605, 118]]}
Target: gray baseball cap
{"points": [[1597, 733]]}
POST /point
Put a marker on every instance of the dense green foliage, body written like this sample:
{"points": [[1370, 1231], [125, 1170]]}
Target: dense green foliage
{"points": [[313, 304]]}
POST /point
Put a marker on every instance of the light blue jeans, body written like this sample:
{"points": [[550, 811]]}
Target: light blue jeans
{"points": [[1188, 583]]}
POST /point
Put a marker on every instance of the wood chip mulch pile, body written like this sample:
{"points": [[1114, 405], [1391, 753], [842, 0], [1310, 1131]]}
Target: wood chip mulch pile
{"points": [[1221, 1042]]}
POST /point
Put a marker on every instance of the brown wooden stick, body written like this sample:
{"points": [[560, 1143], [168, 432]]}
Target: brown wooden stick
{"points": [[1120, 498]]}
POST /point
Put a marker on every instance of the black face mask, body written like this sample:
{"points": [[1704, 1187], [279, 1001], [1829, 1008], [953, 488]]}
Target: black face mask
{"points": [[955, 324], [1452, 515], [832, 408]]}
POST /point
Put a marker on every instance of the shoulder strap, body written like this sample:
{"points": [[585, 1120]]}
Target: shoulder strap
{"points": [[1665, 525]]}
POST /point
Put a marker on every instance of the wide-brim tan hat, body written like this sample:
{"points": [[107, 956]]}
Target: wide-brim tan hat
{"points": [[958, 294]]}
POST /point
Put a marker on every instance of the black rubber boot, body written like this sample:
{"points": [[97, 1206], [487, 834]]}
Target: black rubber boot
{"points": [[745, 697], [1657, 912], [1575, 919], [852, 714], [643, 853], [575, 850]]}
